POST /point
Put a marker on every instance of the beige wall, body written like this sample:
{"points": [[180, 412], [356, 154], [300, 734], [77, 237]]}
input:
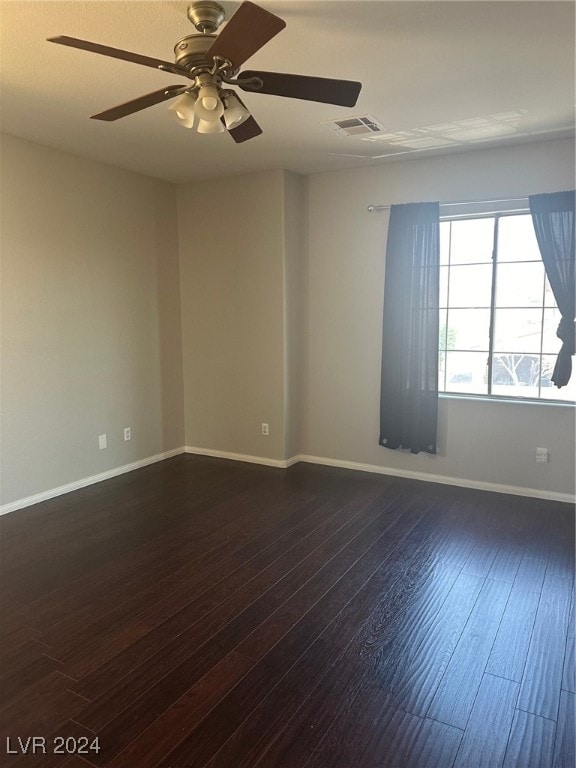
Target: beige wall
{"points": [[91, 337], [278, 283], [481, 441], [295, 247], [242, 284], [231, 256]]}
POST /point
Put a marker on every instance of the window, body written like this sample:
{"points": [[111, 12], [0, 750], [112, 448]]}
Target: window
{"points": [[498, 316]]}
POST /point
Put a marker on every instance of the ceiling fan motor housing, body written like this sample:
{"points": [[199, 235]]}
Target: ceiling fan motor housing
{"points": [[190, 51]]}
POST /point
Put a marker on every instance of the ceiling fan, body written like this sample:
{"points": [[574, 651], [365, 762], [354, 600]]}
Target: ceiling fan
{"points": [[212, 61]]}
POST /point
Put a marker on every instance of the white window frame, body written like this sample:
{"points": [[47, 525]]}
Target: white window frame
{"points": [[450, 213]]}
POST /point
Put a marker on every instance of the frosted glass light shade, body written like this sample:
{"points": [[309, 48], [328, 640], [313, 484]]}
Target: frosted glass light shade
{"points": [[210, 115], [235, 113], [183, 109], [208, 96], [210, 126]]}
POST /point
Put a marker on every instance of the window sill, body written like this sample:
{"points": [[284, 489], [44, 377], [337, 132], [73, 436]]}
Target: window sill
{"points": [[503, 399]]}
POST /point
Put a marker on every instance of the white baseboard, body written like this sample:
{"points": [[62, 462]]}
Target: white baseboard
{"points": [[380, 470], [280, 463], [62, 489], [284, 464], [443, 479]]}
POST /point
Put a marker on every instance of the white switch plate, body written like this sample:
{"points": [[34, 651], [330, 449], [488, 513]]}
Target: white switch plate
{"points": [[102, 442], [127, 433], [542, 456], [265, 429]]}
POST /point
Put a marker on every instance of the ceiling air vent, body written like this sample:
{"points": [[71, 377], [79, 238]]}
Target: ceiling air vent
{"points": [[356, 126]]}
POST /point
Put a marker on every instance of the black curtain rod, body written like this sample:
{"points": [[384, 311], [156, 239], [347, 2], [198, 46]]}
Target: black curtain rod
{"points": [[378, 208]]}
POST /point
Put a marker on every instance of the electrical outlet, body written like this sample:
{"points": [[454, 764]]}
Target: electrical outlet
{"points": [[265, 429], [127, 434], [102, 442], [542, 456]]}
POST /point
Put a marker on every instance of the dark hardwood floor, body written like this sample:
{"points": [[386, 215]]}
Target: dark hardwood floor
{"points": [[200, 612]]}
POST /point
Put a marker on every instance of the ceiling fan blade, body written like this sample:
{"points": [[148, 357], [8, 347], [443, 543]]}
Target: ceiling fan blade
{"points": [[342, 92], [246, 130], [105, 50], [142, 102], [248, 30]]}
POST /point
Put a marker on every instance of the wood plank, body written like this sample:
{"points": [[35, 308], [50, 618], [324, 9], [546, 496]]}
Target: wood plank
{"points": [[389, 745], [510, 649], [457, 690], [561, 561], [542, 678], [41, 706], [569, 672], [530, 574], [425, 661], [435, 746], [24, 674], [507, 561], [531, 742], [480, 560], [485, 738], [397, 739], [564, 744], [164, 734], [465, 531]]}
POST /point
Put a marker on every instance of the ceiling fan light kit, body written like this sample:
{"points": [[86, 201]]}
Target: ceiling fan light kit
{"points": [[211, 60]]}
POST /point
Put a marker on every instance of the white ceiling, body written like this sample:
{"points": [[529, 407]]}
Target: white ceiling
{"points": [[433, 72]]}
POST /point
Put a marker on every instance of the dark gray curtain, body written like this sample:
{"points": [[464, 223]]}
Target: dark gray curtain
{"points": [[553, 217], [409, 383]]}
